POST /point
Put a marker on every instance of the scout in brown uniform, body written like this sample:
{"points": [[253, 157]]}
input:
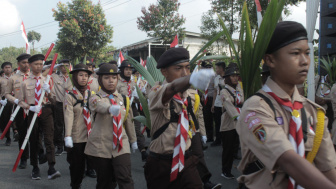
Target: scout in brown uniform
{"points": [[62, 84], [167, 103], [333, 102], [77, 123], [93, 84], [217, 105], [13, 94], [6, 113], [91, 67], [275, 141], [31, 92], [127, 88], [108, 145], [232, 98]]}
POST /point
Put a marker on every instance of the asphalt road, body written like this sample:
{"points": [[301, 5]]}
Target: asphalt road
{"points": [[21, 178]]}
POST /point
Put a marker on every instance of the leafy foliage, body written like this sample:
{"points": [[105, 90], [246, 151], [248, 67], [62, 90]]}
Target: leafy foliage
{"points": [[33, 37], [252, 53], [83, 29], [162, 20], [9, 54], [330, 66]]}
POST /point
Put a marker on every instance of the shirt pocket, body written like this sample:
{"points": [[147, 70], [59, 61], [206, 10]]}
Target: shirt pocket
{"points": [[310, 141], [30, 90]]}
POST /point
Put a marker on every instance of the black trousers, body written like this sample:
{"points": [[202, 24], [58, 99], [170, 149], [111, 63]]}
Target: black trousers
{"points": [[218, 116], [46, 122], [157, 174], [76, 159], [197, 150], [229, 141], [208, 119], [5, 116], [109, 171], [59, 125], [140, 137], [21, 123]]}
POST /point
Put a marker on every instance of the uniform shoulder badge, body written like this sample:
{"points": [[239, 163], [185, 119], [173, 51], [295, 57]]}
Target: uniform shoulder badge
{"points": [[260, 133]]}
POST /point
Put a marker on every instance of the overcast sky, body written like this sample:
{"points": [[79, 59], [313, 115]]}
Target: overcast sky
{"points": [[121, 14]]}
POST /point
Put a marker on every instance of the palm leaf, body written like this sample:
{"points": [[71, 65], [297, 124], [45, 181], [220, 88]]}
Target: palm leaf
{"points": [[84, 59], [195, 58], [70, 75], [141, 119], [145, 108], [148, 77], [151, 67], [214, 57]]}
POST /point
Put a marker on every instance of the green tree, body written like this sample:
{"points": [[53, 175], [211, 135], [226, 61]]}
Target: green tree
{"points": [[9, 54], [162, 20], [33, 37], [105, 55], [83, 29]]}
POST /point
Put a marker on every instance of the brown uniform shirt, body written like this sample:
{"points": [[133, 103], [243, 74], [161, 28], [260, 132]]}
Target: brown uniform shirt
{"points": [[257, 117], [93, 84], [122, 86], [228, 117], [333, 103], [61, 84], [100, 141], [160, 114], [74, 118], [14, 86], [3, 85], [28, 90]]}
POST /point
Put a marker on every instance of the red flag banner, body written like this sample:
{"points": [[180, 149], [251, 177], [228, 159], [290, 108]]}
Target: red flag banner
{"points": [[174, 43]]}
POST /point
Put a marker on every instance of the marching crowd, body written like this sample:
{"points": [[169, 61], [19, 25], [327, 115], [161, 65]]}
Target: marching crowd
{"points": [[284, 138]]}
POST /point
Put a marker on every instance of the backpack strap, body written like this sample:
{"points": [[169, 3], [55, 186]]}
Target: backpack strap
{"points": [[173, 118], [77, 101], [233, 96], [191, 112], [269, 102]]}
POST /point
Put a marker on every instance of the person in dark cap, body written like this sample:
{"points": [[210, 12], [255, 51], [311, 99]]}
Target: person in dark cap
{"points": [[112, 117], [31, 93], [13, 93], [62, 83], [127, 87], [91, 67], [285, 142], [232, 97], [168, 101], [76, 112], [217, 106], [8, 106]]}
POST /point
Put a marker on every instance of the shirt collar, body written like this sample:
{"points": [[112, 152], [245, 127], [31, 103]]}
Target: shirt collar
{"points": [[276, 89]]}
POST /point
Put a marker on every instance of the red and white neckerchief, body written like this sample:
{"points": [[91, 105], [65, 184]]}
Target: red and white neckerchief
{"points": [[117, 128], [65, 78], [323, 80], [86, 111], [128, 87], [295, 127], [205, 97], [6, 77], [238, 100], [89, 83], [38, 92], [181, 138]]}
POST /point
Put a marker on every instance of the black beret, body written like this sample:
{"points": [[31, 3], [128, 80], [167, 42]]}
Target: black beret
{"points": [[220, 63], [5, 64], [125, 63], [81, 67], [206, 64], [36, 57], [48, 62], [107, 69], [285, 33], [231, 71], [23, 56], [113, 62], [173, 56], [64, 61]]}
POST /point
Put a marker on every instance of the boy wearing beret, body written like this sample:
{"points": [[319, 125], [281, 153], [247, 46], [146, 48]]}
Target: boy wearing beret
{"points": [[31, 93], [5, 116], [285, 142], [170, 163], [12, 94]]}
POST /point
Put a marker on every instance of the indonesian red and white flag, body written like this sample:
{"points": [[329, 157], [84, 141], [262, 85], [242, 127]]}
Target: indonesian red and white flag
{"points": [[24, 35], [143, 63], [120, 59], [175, 42], [259, 16]]}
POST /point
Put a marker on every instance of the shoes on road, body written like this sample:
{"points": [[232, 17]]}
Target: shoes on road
{"points": [[227, 175], [36, 174], [59, 151], [52, 173], [91, 173], [210, 185], [16, 136]]}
